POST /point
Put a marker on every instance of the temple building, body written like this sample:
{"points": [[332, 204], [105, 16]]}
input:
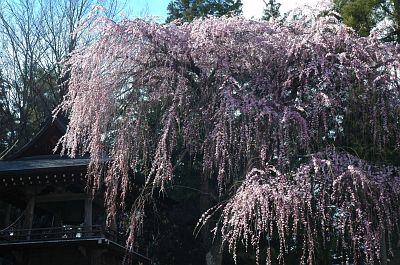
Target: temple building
{"points": [[47, 216]]}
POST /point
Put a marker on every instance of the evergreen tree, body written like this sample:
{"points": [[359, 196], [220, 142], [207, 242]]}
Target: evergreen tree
{"points": [[187, 10], [271, 9], [364, 15]]}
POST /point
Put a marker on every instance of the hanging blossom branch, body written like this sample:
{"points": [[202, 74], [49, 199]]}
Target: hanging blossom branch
{"points": [[333, 197], [247, 98]]}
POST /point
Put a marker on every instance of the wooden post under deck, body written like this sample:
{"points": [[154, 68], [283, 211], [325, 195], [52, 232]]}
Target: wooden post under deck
{"points": [[7, 215], [29, 213], [88, 213]]}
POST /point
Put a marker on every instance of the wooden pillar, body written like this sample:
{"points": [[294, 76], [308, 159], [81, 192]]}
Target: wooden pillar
{"points": [[7, 215], [29, 213], [88, 213]]}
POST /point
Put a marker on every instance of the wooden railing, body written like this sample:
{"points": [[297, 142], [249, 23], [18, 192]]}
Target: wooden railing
{"points": [[63, 233]]}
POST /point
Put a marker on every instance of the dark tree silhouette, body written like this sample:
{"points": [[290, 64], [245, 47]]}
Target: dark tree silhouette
{"points": [[187, 10]]}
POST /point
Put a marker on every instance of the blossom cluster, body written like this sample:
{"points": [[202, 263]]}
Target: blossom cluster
{"points": [[333, 197]]}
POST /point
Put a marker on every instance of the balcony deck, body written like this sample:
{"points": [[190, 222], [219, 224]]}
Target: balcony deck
{"points": [[61, 234], [65, 236], [64, 233]]}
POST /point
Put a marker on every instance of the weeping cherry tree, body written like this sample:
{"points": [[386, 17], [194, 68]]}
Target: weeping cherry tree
{"points": [[272, 112]]}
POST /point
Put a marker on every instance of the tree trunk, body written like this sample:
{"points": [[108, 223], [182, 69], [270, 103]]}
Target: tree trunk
{"points": [[214, 253], [383, 254]]}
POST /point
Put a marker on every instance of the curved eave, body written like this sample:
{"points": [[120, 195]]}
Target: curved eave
{"points": [[12, 167]]}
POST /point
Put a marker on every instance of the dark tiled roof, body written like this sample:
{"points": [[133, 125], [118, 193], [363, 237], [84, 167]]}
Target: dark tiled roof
{"points": [[52, 130], [23, 165]]}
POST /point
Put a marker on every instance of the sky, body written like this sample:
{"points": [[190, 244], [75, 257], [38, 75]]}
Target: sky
{"points": [[251, 8]]}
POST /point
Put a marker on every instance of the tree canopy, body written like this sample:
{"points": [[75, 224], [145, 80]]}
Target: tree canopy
{"points": [[271, 9], [298, 124], [187, 10], [364, 15]]}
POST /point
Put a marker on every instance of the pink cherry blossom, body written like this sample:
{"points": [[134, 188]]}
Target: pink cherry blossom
{"points": [[253, 101]]}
